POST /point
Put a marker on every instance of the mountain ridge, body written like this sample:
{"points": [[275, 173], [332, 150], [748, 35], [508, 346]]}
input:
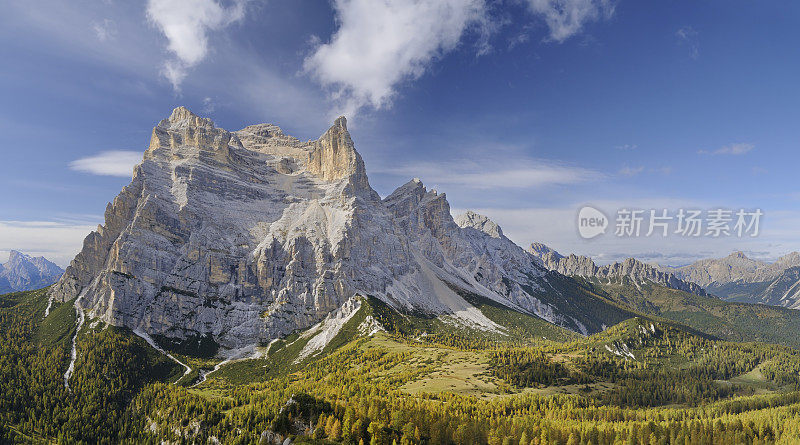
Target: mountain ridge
{"points": [[638, 271]]}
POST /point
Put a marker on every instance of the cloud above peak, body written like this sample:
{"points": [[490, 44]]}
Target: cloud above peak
{"points": [[186, 24], [492, 174], [381, 43]]}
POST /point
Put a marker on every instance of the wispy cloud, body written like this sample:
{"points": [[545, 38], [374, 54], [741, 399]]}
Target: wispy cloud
{"points": [[634, 171], [381, 43], [732, 149], [631, 171], [627, 147], [186, 25], [524, 173], [566, 18], [688, 37], [108, 163]]}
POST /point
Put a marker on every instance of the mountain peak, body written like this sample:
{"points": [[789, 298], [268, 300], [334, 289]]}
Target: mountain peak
{"points": [[16, 255], [334, 157], [413, 184], [479, 222], [738, 255], [540, 250], [340, 122], [790, 259], [23, 272], [579, 265], [182, 117]]}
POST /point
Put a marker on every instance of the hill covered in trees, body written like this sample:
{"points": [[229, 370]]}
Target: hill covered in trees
{"points": [[407, 380]]}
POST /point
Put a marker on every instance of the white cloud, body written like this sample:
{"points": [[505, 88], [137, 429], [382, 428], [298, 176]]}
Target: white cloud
{"points": [[488, 174], [732, 149], [565, 18], [108, 163], [381, 43], [56, 241], [186, 24]]}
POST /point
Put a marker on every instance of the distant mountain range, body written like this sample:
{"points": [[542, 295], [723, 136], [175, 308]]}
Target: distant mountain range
{"points": [[739, 278], [23, 272], [733, 278], [637, 271]]}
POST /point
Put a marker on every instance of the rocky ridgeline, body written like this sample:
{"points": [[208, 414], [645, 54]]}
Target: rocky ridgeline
{"points": [[631, 268], [247, 236]]}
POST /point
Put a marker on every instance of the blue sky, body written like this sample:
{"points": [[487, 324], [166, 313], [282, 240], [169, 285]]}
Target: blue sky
{"points": [[524, 110]]}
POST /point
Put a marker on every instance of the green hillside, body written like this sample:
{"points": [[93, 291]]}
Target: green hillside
{"points": [[723, 319], [408, 379]]}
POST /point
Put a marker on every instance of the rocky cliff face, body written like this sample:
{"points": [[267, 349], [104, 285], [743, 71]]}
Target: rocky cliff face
{"points": [[241, 236], [247, 236], [631, 268], [22, 272]]}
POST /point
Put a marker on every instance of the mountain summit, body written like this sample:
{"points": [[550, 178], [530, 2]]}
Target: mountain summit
{"points": [[23, 272], [247, 236]]}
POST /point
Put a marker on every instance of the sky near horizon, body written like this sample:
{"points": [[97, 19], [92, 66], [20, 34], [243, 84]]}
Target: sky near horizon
{"points": [[523, 110]]}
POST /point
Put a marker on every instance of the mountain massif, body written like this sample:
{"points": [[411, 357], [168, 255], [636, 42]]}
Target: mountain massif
{"points": [[245, 237], [22, 272]]}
